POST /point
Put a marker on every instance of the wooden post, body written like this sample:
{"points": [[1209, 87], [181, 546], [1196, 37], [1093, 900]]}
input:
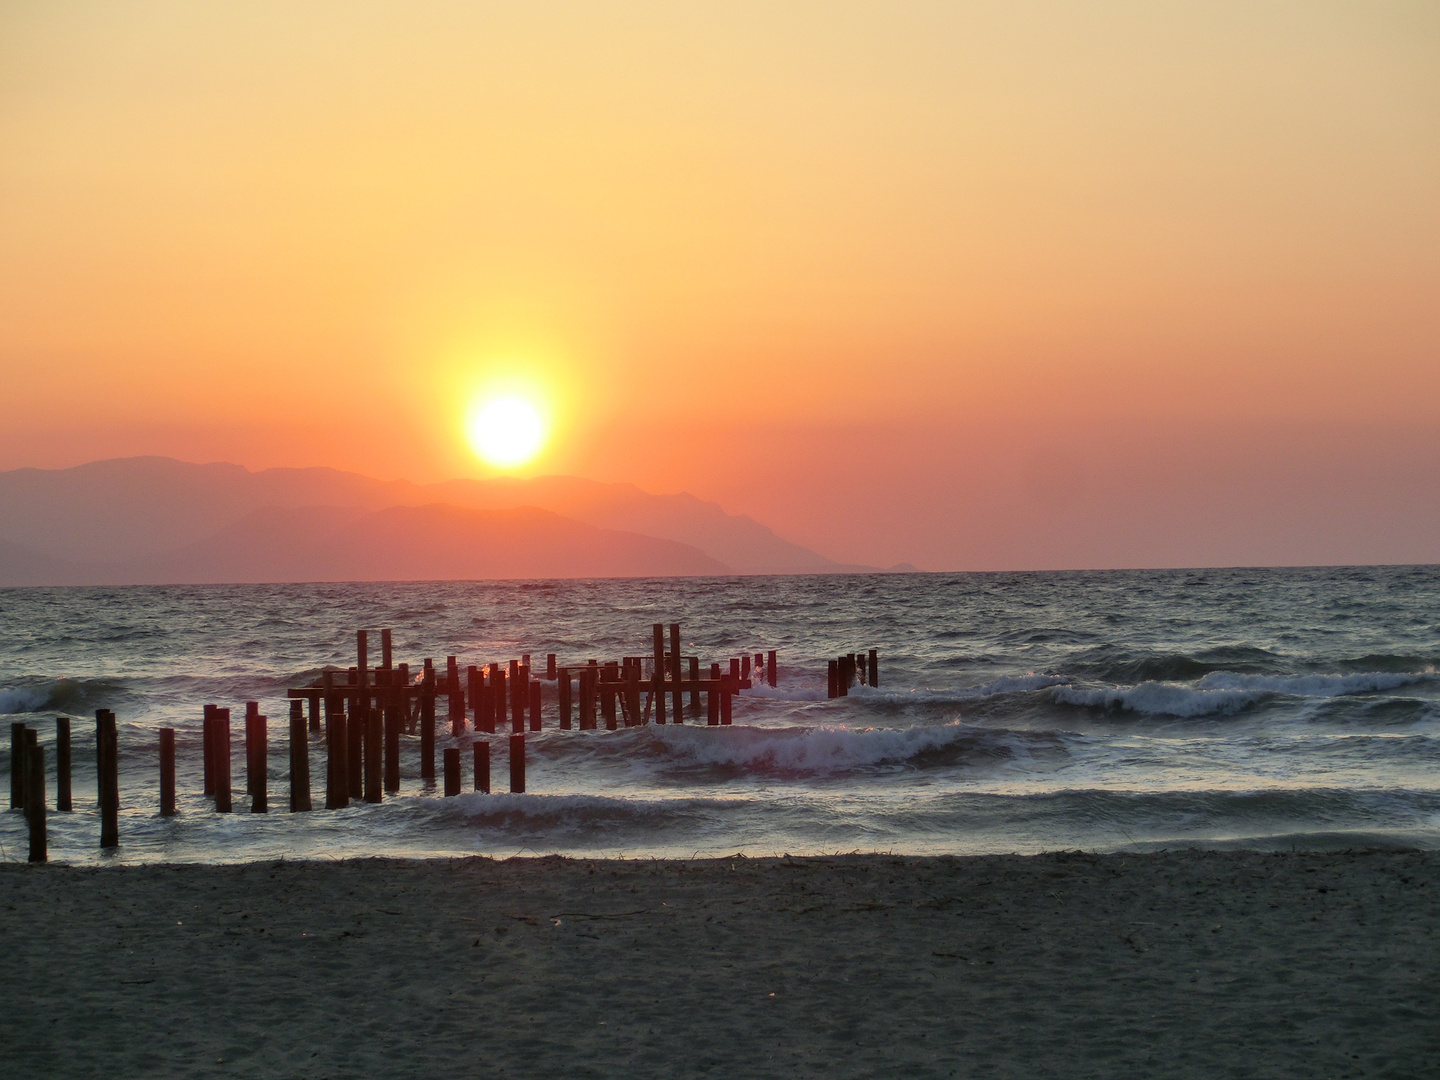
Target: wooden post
{"points": [[314, 701], [260, 762], [874, 667], [299, 760], [452, 770], [832, 674], [678, 693], [393, 720], [519, 696], [355, 749], [362, 657], [385, 649], [844, 673], [745, 666], [374, 737], [734, 670], [657, 683], [727, 689], [220, 756], [550, 666], [252, 710], [207, 742], [770, 667], [482, 765], [472, 692], [167, 772], [62, 764], [562, 677], [607, 696], [337, 743], [517, 763], [632, 694], [694, 686], [499, 696], [427, 722], [535, 705], [589, 684], [107, 751], [19, 767], [33, 762], [712, 717]]}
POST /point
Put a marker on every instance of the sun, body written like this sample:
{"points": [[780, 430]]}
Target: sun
{"points": [[505, 431]]}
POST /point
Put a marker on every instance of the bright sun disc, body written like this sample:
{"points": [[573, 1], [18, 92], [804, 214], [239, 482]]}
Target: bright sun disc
{"points": [[506, 431]]}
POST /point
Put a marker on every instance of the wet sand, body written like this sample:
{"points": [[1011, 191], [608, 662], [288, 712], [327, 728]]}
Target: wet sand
{"points": [[1180, 964]]}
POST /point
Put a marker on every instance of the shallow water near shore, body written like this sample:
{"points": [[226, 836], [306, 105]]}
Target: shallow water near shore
{"points": [[1015, 713]]}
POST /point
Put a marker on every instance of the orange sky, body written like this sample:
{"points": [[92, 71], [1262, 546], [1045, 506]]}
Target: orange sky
{"points": [[938, 250]]}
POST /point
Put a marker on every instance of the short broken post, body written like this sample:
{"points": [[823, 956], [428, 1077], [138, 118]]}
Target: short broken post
{"points": [[517, 763], [167, 772], [452, 770]]}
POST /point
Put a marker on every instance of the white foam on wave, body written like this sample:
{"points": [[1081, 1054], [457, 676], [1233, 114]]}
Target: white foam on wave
{"points": [[1005, 684], [1312, 685], [811, 750], [26, 699], [1161, 699]]}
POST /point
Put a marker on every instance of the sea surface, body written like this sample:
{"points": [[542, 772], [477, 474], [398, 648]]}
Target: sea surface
{"points": [[1276, 708]]}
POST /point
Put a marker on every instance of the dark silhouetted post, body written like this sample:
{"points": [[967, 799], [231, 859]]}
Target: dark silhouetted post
{"points": [[498, 682], [517, 763], [520, 696], [712, 702], [632, 693], [874, 667], [220, 726], [299, 761], [535, 703], [167, 772], [745, 666], [427, 722], [452, 770], [374, 737], [257, 728], [657, 683], [62, 764], [550, 666], [770, 667], [33, 763], [727, 691], [252, 710], [355, 749], [482, 765], [337, 743], [846, 674], [678, 693], [107, 752], [562, 687], [392, 740], [589, 680], [832, 675], [734, 670], [694, 686], [385, 655], [607, 695], [207, 743], [314, 714]]}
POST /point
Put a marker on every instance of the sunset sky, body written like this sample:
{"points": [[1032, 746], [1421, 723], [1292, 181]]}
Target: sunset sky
{"points": [[999, 285]]}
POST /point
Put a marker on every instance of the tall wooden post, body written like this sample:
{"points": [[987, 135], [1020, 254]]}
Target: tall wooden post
{"points": [[207, 743], [694, 686], [299, 760], [517, 763], [657, 683], [562, 686], [535, 705], [452, 770], [874, 658], [107, 751], [385, 656], [33, 762], [770, 667], [252, 710], [220, 749], [712, 716], [62, 764], [589, 687], [550, 666], [499, 696], [257, 728], [482, 765], [374, 738], [678, 694], [337, 743], [832, 675], [427, 722], [727, 691], [19, 769], [520, 696], [392, 740], [167, 772]]}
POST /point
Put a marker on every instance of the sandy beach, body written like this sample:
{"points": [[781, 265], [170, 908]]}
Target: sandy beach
{"points": [[1172, 964]]}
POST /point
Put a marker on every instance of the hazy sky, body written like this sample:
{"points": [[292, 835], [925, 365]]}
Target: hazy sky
{"points": [[972, 285]]}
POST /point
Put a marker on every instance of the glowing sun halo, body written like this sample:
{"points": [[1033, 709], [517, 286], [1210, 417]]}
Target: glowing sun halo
{"points": [[506, 431]]}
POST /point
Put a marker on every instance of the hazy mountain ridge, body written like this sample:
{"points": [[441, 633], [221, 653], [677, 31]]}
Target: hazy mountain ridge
{"points": [[148, 520]]}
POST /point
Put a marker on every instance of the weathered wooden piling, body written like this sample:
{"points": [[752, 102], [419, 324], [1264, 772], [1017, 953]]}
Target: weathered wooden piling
{"points": [[657, 685], [727, 692], [107, 754], [632, 693], [427, 722], [252, 710], [770, 671], [393, 720], [589, 683], [220, 760], [712, 706], [337, 744], [745, 666], [694, 686], [550, 666], [482, 765], [355, 749], [452, 770], [257, 738], [385, 649], [314, 714], [374, 738], [520, 696], [517, 763], [678, 690], [535, 704], [499, 695], [874, 667], [33, 763], [207, 744], [299, 761], [19, 772], [62, 764], [607, 695], [562, 689], [832, 673], [167, 772]]}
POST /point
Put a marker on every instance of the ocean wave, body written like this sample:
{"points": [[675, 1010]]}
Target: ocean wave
{"points": [[57, 695], [998, 687], [1312, 685], [1162, 699]]}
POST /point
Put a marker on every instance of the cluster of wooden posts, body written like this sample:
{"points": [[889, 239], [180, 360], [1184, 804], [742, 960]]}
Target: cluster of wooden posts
{"points": [[847, 670], [367, 709]]}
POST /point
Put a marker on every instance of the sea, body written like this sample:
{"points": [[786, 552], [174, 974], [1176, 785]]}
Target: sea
{"points": [[1015, 712]]}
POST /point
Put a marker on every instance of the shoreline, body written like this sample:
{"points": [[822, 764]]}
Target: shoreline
{"points": [[1178, 963]]}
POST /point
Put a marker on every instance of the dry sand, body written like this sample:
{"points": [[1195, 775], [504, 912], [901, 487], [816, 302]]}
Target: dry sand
{"points": [[1177, 964]]}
